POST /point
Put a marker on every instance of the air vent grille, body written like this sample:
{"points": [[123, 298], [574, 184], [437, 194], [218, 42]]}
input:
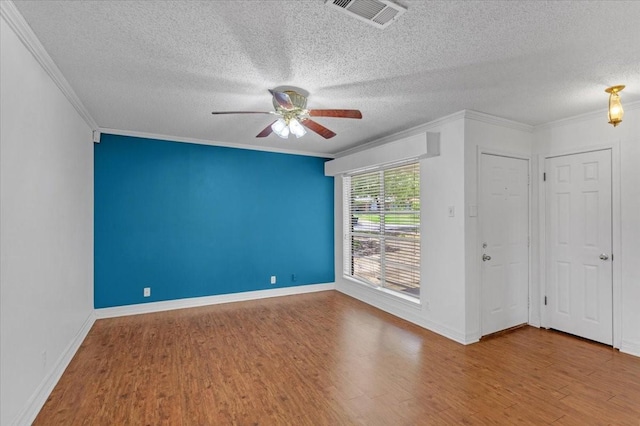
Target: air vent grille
{"points": [[368, 9], [385, 16], [379, 13], [342, 3]]}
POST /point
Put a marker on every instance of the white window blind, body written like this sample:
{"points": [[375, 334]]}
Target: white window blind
{"points": [[382, 228]]}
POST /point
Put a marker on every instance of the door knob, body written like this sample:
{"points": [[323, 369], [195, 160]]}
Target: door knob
{"points": [[604, 257], [486, 257]]}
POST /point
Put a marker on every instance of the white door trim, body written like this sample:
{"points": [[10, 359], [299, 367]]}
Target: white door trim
{"points": [[480, 151], [616, 230]]}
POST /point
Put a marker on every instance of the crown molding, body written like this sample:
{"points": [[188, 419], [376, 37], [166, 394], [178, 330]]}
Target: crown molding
{"points": [[431, 125], [498, 121], [593, 115], [422, 128], [21, 28], [168, 138]]}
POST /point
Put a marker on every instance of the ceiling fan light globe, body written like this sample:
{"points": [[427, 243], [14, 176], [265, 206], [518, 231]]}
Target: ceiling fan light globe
{"points": [[297, 128], [280, 128], [615, 110], [284, 133]]}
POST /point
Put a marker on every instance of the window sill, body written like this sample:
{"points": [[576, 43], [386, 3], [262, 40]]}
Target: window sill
{"points": [[407, 300]]}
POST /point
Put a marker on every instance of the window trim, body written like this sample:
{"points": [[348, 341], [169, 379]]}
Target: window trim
{"points": [[348, 233], [396, 295]]}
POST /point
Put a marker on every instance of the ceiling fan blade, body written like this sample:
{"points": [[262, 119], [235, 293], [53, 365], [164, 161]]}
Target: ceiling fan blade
{"points": [[266, 132], [336, 113], [282, 99], [318, 128], [242, 112]]}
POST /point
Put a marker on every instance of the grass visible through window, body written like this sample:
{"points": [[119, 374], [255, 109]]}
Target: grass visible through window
{"points": [[391, 219]]}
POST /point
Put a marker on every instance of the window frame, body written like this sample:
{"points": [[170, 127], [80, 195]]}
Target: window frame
{"points": [[414, 266]]}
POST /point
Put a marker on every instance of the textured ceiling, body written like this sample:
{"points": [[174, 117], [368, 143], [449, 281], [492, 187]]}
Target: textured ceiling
{"points": [[161, 67]]}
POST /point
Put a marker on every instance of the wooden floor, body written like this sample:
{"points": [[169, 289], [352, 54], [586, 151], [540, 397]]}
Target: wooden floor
{"points": [[327, 359]]}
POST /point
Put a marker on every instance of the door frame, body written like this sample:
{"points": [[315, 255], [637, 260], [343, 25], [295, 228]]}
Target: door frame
{"points": [[519, 156], [616, 232]]}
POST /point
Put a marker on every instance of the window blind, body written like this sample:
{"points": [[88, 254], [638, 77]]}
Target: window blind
{"points": [[382, 228]]}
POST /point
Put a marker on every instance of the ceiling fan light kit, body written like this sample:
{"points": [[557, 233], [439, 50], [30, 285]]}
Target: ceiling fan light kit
{"points": [[291, 106], [281, 128]]}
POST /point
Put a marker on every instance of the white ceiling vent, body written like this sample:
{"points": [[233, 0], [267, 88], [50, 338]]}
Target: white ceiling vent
{"points": [[379, 13]]}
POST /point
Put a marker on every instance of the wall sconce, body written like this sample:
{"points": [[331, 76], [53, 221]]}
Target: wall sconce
{"points": [[615, 107]]}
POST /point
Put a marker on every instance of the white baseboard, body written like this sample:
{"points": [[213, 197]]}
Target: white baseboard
{"points": [[535, 323], [449, 333], [473, 337], [408, 311], [39, 397], [629, 347], [193, 302]]}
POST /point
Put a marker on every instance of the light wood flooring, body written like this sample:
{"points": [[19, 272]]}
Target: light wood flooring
{"points": [[327, 359]]}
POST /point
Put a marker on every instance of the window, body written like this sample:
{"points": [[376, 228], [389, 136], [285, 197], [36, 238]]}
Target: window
{"points": [[382, 228]]}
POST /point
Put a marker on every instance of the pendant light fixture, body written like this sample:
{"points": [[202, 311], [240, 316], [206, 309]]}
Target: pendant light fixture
{"points": [[615, 107]]}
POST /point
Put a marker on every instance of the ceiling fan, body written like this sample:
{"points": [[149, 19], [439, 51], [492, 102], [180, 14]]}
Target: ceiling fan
{"points": [[291, 106]]}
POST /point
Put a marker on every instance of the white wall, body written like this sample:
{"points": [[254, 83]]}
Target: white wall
{"points": [[46, 227], [590, 131], [450, 286], [442, 285], [442, 307], [450, 270]]}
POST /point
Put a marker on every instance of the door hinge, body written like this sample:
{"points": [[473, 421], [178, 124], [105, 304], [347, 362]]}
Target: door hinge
{"points": [[544, 176], [612, 257], [545, 301]]}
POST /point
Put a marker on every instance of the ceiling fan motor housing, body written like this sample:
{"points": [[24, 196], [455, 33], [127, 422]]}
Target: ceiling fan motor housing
{"points": [[299, 101]]}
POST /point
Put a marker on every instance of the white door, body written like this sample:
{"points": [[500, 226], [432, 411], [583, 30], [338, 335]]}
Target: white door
{"points": [[578, 245], [504, 229]]}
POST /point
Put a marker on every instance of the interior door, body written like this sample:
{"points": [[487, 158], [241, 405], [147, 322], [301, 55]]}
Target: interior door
{"points": [[579, 280], [504, 229]]}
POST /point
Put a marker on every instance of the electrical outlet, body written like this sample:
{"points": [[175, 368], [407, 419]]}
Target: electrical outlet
{"points": [[147, 291], [273, 279], [293, 277]]}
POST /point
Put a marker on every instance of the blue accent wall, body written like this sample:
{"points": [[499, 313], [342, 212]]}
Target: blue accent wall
{"points": [[193, 220]]}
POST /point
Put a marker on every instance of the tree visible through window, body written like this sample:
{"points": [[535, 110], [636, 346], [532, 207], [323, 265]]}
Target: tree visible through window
{"points": [[382, 228]]}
